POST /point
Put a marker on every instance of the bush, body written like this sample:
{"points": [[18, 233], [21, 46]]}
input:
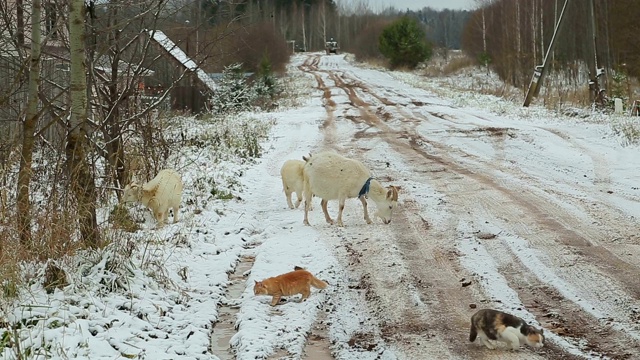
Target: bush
{"points": [[365, 46], [404, 43], [246, 44]]}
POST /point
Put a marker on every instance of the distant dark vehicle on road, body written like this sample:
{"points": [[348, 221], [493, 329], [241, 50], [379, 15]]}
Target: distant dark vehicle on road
{"points": [[331, 47]]}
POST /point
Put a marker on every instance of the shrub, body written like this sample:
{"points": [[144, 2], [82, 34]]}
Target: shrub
{"points": [[366, 45], [246, 44], [404, 43]]}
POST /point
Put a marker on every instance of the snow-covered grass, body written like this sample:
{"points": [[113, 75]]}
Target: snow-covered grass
{"points": [[146, 293], [129, 298], [479, 87]]}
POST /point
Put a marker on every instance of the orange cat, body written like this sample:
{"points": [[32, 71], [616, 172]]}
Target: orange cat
{"points": [[298, 281]]}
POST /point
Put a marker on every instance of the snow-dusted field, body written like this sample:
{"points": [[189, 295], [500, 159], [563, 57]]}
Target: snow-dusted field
{"points": [[519, 209]]}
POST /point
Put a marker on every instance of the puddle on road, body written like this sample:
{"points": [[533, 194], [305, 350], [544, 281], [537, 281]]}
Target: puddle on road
{"points": [[224, 329]]}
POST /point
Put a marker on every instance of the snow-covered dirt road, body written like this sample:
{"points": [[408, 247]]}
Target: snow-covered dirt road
{"points": [[535, 216], [502, 207]]}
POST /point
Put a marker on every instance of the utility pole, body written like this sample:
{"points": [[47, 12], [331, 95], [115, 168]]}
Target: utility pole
{"points": [[304, 36], [541, 70], [595, 95]]}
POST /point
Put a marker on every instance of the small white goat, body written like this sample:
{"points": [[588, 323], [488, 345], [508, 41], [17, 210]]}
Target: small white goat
{"points": [[293, 180], [334, 177], [161, 193]]}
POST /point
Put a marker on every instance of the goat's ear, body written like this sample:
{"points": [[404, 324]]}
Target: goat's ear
{"points": [[392, 193]]}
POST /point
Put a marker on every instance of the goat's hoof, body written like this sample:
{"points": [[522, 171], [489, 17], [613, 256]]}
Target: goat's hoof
{"points": [[306, 223]]}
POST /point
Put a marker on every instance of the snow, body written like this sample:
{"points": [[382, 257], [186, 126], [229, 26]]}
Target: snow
{"points": [[179, 275], [183, 58]]}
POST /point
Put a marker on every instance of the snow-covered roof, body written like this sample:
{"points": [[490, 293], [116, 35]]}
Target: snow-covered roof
{"points": [[185, 60], [103, 63]]}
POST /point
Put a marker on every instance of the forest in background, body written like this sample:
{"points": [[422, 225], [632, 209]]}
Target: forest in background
{"points": [[513, 36]]}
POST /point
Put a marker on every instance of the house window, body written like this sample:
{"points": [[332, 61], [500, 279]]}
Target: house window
{"points": [[50, 20]]}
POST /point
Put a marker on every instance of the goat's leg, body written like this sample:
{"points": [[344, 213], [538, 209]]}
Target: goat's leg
{"points": [[176, 217], [340, 209], [299, 196], [366, 212], [324, 203], [307, 206], [287, 193]]}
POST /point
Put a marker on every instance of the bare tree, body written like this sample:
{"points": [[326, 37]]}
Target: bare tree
{"points": [[79, 167], [29, 128]]}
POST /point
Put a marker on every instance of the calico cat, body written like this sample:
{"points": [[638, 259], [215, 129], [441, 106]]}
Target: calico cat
{"points": [[497, 325], [299, 281]]}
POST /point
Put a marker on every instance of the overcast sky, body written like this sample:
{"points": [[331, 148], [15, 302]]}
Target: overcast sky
{"points": [[436, 4], [416, 4]]}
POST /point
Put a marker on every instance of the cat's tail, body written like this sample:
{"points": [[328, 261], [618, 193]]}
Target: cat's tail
{"points": [[317, 283], [473, 333]]}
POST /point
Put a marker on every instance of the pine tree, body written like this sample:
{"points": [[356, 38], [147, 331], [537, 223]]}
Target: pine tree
{"points": [[404, 43], [234, 94]]}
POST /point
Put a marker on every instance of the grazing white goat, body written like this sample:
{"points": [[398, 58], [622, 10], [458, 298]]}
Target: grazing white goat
{"points": [[292, 180], [161, 193], [330, 176]]}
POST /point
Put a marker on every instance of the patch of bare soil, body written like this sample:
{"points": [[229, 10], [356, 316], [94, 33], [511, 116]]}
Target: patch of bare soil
{"points": [[318, 346], [223, 330]]}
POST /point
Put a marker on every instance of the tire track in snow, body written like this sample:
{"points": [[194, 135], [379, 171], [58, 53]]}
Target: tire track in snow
{"points": [[459, 169], [440, 327]]}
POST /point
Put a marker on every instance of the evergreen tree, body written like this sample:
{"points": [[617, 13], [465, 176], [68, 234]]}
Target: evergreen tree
{"points": [[404, 43], [266, 81], [234, 93]]}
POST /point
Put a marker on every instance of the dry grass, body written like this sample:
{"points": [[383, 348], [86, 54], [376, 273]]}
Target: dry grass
{"points": [[452, 63], [457, 64], [54, 233], [628, 128]]}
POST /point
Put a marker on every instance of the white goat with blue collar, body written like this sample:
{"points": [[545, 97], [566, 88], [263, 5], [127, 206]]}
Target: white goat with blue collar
{"points": [[331, 176]]}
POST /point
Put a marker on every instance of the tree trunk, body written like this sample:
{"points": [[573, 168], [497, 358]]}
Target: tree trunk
{"points": [[28, 129], [20, 23], [80, 174], [113, 131]]}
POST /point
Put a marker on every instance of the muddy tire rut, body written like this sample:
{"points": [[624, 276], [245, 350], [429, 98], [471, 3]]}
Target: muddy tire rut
{"points": [[427, 310]]}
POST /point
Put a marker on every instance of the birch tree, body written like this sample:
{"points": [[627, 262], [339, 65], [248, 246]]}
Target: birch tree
{"points": [[29, 128], [81, 176]]}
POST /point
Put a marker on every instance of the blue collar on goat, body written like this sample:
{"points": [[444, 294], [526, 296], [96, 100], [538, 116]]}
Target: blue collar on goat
{"points": [[365, 188]]}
